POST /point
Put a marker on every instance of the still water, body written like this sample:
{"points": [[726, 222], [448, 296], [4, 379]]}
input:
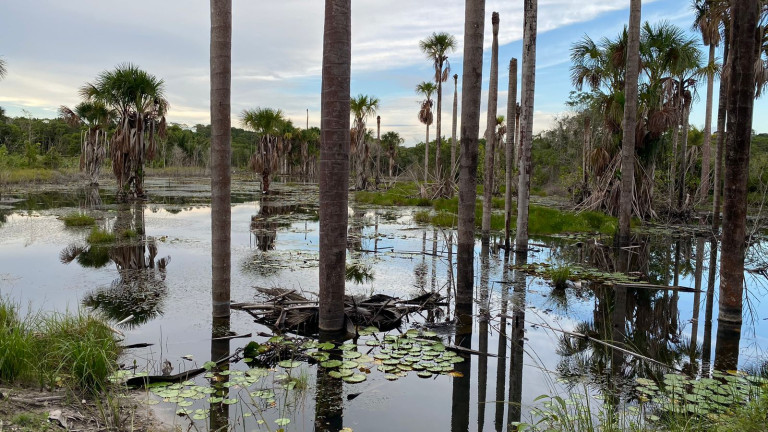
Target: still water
{"points": [[160, 273]]}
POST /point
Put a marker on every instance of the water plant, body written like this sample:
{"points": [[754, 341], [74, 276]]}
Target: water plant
{"points": [[100, 236], [78, 220]]}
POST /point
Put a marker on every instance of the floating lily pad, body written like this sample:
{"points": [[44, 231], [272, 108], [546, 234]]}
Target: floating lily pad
{"points": [[331, 363], [424, 374], [351, 354], [356, 378], [289, 364]]}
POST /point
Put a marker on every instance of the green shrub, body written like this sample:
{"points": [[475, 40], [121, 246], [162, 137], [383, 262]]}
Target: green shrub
{"points": [[78, 220], [100, 236], [422, 217]]}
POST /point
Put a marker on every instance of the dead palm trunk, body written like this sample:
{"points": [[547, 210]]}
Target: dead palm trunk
{"points": [[675, 157], [426, 157], [221, 217], [526, 122], [630, 122], [706, 147], [438, 136], [509, 150], [490, 131], [586, 150], [378, 149], [334, 162], [722, 115], [474, 24], [684, 150], [452, 171], [741, 99]]}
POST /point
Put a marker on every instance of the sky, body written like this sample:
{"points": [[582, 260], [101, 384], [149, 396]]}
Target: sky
{"points": [[53, 47]]}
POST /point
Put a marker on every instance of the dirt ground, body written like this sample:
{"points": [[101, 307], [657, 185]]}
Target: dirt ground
{"points": [[28, 410]]}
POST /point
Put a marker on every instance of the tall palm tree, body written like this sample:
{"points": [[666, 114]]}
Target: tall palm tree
{"points": [[526, 122], [436, 48], [334, 162], [474, 25], [490, 131], [268, 123], [708, 18], [138, 100], [426, 89], [97, 118], [741, 99], [361, 108], [390, 142], [452, 171], [509, 150], [221, 155]]}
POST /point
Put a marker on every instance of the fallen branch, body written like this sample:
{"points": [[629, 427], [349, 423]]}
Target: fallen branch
{"points": [[141, 381]]}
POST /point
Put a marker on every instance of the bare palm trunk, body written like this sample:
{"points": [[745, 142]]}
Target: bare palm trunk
{"points": [[426, 157], [630, 122], [490, 131], [526, 122], [221, 217], [474, 25], [378, 149], [707, 147], [683, 154], [741, 99], [452, 172], [722, 115], [509, 150], [438, 136], [675, 158], [586, 150], [334, 162]]}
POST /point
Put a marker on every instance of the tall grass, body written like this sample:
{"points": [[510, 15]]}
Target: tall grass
{"points": [[76, 350], [78, 220], [100, 236]]}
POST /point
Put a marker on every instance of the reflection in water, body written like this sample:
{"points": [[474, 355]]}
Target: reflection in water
{"points": [[482, 361], [693, 350], [501, 371], [219, 418], [706, 346], [329, 405], [461, 386], [517, 340], [140, 289], [265, 224]]}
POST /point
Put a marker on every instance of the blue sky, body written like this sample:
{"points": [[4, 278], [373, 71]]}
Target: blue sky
{"points": [[51, 48]]}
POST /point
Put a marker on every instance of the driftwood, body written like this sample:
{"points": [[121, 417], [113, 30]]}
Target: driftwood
{"points": [[141, 381], [289, 310]]}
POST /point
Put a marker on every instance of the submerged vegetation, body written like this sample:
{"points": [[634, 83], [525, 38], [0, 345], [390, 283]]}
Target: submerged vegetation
{"points": [[54, 350]]}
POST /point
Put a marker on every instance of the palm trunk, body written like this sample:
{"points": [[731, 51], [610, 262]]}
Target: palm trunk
{"points": [[630, 122], [452, 172], [707, 148], [683, 154], [221, 217], [526, 122], [722, 115], [474, 25], [426, 157], [509, 150], [741, 99], [378, 149], [438, 136], [490, 131], [586, 150], [334, 162]]}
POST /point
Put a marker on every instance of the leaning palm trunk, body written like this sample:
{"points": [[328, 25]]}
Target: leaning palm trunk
{"points": [[490, 132], [526, 122]]}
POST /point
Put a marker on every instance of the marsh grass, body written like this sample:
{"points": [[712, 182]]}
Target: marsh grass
{"points": [[560, 276], [75, 350], [100, 236], [78, 220]]}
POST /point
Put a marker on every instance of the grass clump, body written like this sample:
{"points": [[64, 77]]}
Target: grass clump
{"points": [[78, 220], [402, 194], [128, 234], [422, 217], [560, 276], [55, 349], [100, 236]]}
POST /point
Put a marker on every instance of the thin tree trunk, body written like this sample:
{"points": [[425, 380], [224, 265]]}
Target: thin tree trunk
{"points": [[221, 217], [722, 116], [334, 162], [526, 122], [586, 150], [683, 154], [426, 157], [673, 164], [509, 150], [453, 130], [474, 24], [707, 147], [438, 137], [378, 149], [630, 122], [490, 131], [741, 99]]}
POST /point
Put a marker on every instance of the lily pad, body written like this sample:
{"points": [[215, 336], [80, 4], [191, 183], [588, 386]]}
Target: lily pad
{"points": [[356, 378]]}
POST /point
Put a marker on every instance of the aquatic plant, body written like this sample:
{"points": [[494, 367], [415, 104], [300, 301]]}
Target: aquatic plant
{"points": [[78, 220], [100, 236]]}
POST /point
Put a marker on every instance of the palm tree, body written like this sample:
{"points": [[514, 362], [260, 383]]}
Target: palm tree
{"points": [[361, 107], [97, 118], [490, 131], [741, 99], [221, 155], [509, 150], [526, 122], [452, 171], [708, 17], [390, 141], [426, 89], [436, 48], [268, 123], [474, 25], [138, 100], [334, 162]]}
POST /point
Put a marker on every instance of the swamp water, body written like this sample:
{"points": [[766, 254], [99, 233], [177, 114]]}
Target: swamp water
{"points": [[159, 272]]}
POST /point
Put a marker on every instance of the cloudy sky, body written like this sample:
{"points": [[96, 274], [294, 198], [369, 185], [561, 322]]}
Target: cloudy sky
{"points": [[52, 47]]}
